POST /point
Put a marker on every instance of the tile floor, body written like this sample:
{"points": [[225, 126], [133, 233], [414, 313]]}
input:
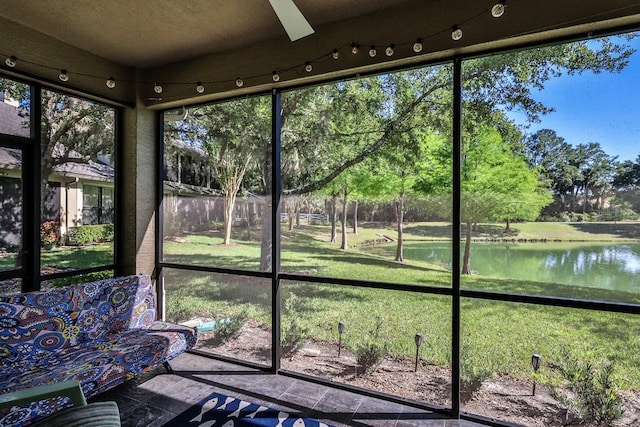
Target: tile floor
{"points": [[157, 397]]}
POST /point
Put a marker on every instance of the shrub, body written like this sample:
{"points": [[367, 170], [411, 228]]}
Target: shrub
{"points": [[83, 278], [471, 375], [216, 225], [471, 379], [49, 233], [565, 217], [227, 329], [293, 333], [589, 391], [8, 247], [87, 234], [553, 218], [179, 313], [370, 353]]}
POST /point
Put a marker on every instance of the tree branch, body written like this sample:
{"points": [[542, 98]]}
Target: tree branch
{"points": [[389, 130]]}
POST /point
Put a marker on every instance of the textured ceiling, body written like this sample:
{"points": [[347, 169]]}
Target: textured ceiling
{"points": [[150, 33]]}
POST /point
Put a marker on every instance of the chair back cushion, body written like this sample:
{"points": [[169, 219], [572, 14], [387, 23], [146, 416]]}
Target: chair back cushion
{"points": [[34, 325]]}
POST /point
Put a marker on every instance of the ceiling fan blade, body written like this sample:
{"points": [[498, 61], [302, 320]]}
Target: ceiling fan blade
{"points": [[294, 23]]}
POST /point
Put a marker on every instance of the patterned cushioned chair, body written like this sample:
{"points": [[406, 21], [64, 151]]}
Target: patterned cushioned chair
{"points": [[99, 333]]}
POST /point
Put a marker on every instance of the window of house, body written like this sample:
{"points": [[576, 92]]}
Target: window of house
{"points": [[549, 207], [217, 219], [97, 205], [462, 235], [77, 230], [217, 188], [73, 143]]}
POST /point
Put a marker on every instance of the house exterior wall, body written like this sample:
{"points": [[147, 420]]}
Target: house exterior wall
{"points": [[63, 204], [71, 201]]}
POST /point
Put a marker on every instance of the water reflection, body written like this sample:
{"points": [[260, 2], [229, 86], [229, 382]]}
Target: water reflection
{"points": [[607, 266]]}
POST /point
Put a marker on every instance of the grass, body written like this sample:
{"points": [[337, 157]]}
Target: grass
{"points": [[550, 231], [501, 336], [70, 257], [577, 231]]}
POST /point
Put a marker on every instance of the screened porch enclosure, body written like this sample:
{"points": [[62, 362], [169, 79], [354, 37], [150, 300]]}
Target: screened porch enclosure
{"points": [[382, 293], [433, 208]]}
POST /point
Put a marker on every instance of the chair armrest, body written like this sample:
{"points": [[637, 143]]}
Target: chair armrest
{"points": [[70, 389]]}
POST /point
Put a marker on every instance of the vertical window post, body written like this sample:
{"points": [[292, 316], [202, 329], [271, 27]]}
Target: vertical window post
{"points": [[455, 246], [276, 188]]}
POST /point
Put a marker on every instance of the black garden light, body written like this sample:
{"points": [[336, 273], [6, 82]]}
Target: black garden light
{"points": [[536, 361], [418, 340], [340, 331]]}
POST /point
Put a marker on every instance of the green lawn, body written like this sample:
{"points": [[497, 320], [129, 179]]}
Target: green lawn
{"points": [[501, 336], [70, 257]]}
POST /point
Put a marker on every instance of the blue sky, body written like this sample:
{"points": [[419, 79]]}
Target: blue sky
{"points": [[602, 108]]}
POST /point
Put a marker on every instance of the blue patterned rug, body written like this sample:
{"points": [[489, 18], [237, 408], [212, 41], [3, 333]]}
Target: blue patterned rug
{"points": [[220, 410]]}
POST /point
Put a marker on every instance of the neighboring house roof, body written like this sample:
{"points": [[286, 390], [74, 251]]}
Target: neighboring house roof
{"points": [[93, 170], [13, 121], [10, 158], [96, 171]]}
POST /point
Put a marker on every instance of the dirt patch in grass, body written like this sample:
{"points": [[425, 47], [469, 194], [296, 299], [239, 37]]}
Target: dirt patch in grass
{"points": [[501, 398]]}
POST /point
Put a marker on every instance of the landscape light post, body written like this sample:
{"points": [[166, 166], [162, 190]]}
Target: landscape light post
{"points": [[340, 332], [536, 361], [418, 340]]}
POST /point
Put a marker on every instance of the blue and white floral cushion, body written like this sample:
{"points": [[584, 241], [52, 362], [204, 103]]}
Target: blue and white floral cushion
{"points": [[100, 333]]}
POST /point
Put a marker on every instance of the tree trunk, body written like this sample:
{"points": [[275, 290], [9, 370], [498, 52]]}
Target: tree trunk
{"points": [[265, 211], [345, 244], [334, 214], [291, 214], [508, 226], [229, 204], [466, 261], [296, 212], [400, 218], [248, 223], [355, 217], [584, 205], [179, 169], [265, 245]]}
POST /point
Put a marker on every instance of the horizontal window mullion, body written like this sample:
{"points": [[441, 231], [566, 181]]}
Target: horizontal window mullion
{"points": [[616, 307]]}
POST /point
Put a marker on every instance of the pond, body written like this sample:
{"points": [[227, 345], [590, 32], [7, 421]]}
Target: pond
{"points": [[602, 265]]}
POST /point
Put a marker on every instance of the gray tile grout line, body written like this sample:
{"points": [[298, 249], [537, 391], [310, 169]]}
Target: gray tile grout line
{"points": [[356, 410], [320, 398], [327, 389], [281, 394]]}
